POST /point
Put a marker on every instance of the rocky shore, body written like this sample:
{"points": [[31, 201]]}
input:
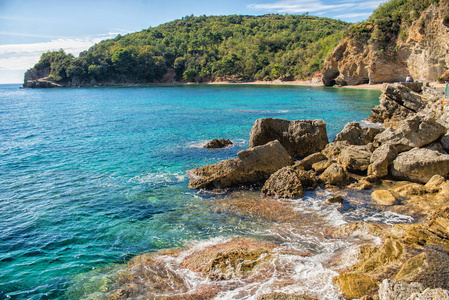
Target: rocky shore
{"points": [[401, 159]]}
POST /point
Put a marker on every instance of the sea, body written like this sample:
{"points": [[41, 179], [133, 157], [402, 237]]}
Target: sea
{"points": [[92, 177]]}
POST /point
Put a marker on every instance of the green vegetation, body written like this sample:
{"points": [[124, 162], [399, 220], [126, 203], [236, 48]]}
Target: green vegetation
{"points": [[205, 48], [390, 21]]}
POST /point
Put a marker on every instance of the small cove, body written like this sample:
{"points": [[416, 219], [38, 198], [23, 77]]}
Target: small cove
{"points": [[92, 177]]}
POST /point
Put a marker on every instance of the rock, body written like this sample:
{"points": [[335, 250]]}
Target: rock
{"points": [[356, 158], [282, 296], [354, 285], [445, 142], [417, 131], [354, 134], [396, 290], [411, 189], [431, 294], [299, 138], [381, 159], [320, 166], [383, 197], [397, 102], [362, 184], [284, 183], [335, 174], [335, 199], [308, 161], [218, 143], [420, 165], [252, 165], [434, 184], [333, 150]]}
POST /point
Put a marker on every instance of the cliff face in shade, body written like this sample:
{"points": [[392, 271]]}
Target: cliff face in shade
{"points": [[367, 56]]}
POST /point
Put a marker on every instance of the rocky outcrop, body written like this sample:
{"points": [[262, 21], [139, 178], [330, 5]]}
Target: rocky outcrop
{"points": [[420, 165], [371, 56], [355, 134], [398, 102], [218, 143], [299, 138], [417, 131], [252, 165]]}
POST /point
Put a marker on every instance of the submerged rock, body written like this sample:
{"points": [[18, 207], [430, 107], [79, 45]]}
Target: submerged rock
{"points": [[383, 197], [218, 143], [252, 165], [299, 138]]}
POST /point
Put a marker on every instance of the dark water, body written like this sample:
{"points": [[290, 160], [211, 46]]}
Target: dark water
{"points": [[90, 177]]}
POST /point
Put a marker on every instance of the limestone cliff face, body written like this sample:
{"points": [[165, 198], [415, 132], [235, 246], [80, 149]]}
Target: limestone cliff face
{"points": [[362, 58]]}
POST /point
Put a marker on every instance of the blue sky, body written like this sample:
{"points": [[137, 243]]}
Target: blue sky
{"points": [[30, 27]]}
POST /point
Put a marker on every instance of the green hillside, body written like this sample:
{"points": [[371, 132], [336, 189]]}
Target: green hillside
{"points": [[202, 49]]}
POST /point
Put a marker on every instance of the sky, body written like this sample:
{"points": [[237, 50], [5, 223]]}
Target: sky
{"points": [[29, 28]]}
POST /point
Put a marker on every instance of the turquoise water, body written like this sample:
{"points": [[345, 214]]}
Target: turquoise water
{"points": [[93, 176]]}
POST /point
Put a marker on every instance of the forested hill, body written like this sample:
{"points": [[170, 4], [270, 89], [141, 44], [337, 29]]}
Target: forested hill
{"points": [[200, 49]]}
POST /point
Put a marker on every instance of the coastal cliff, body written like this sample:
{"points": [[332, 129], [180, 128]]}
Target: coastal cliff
{"points": [[409, 38]]}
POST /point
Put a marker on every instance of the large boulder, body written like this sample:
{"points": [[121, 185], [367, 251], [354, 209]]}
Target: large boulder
{"points": [[381, 160], [252, 165], [418, 131], [356, 158], [356, 134], [288, 182], [398, 101], [420, 165], [299, 138]]}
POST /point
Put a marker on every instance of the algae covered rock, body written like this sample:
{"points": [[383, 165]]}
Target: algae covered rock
{"points": [[299, 138], [354, 285], [252, 165]]}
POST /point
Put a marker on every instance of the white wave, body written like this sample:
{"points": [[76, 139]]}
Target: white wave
{"points": [[366, 123], [166, 177], [389, 218]]}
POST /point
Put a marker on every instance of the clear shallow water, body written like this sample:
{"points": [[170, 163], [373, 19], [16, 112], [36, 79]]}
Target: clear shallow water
{"points": [[93, 176]]}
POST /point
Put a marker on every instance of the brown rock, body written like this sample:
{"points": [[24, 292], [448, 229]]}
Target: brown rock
{"points": [[284, 183], [321, 165], [335, 174], [333, 150], [417, 131], [299, 138], [420, 165], [335, 199], [355, 285], [252, 165], [383, 197], [354, 134], [380, 161], [307, 162], [218, 143], [356, 158]]}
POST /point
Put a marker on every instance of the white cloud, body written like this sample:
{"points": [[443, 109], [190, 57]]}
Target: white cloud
{"points": [[316, 6], [24, 56]]}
